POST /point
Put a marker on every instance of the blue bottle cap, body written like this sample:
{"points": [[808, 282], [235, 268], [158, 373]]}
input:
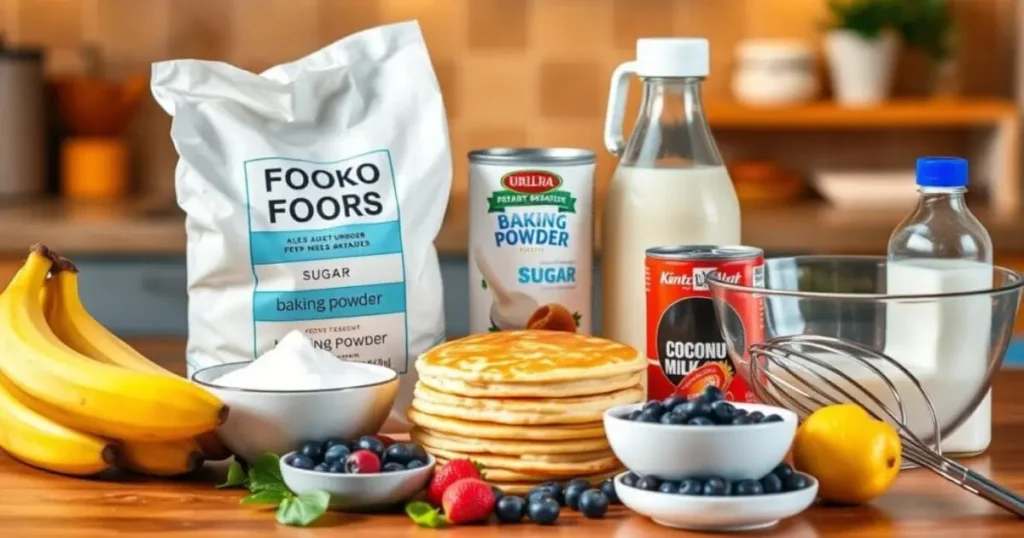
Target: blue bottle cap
{"points": [[942, 172]]}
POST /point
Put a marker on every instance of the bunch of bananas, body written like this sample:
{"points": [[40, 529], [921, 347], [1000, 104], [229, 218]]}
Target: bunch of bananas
{"points": [[76, 399]]}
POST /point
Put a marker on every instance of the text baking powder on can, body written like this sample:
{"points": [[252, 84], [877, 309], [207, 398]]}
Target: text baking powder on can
{"points": [[530, 239], [685, 347]]}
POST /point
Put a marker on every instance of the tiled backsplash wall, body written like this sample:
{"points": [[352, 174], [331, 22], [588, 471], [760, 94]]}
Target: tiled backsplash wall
{"points": [[513, 72]]}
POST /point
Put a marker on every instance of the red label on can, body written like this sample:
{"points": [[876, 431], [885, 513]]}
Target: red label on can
{"points": [[686, 350]]}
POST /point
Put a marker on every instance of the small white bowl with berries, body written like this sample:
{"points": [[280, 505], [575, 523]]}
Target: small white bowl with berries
{"points": [[678, 438], [707, 464], [367, 473]]}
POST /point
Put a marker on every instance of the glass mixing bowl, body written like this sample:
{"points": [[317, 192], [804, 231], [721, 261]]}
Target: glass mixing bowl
{"points": [[952, 343]]}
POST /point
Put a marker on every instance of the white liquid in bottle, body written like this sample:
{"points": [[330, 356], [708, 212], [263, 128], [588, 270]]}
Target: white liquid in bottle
{"points": [[651, 207]]}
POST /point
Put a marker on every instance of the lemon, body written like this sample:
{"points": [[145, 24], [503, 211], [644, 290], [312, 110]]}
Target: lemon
{"points": [[854, 456]]}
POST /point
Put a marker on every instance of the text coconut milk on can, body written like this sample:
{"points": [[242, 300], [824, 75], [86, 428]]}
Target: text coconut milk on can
{"points": [[530, 239]]}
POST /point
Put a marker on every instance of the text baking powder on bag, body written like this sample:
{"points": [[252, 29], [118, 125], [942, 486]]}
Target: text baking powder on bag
{"points": [[313, 193], [530, 239]]}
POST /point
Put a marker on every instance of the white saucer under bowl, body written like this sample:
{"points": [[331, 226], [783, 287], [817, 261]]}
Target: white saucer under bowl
{"points": [[716, 514]]}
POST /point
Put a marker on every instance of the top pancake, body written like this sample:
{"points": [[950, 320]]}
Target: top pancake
{"points": [[529, 357]]}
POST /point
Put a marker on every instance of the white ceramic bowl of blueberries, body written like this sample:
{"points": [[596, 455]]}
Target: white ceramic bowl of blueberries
{"points": [[360, 475], [707, 464]]}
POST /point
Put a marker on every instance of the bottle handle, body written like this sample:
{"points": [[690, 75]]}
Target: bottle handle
{"points": [[613, 140]]}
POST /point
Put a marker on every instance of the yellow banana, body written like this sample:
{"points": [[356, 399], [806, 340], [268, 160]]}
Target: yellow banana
{"points": [[41, 442], [85, 394], [76, 327], [167, 458]]}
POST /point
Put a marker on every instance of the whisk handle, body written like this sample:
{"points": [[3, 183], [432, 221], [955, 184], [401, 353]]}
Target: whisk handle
{"points": [[994, 493]]}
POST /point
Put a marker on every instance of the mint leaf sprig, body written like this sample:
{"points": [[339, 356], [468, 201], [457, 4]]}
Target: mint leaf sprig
{"points": [[425, 515], [267, 487]]}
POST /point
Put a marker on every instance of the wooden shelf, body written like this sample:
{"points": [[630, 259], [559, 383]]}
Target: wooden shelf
{"points": [[895, 114]]}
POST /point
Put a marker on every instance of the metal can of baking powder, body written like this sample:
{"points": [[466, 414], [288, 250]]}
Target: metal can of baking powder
{"points": [[685, 347], [530, 239]]}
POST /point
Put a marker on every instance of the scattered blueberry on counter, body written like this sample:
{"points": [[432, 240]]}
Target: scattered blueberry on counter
{"points": [[367, 455], [543, 503], [781, 480], [709, 408]]}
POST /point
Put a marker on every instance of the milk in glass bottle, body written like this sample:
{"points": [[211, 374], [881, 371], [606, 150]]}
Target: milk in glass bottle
{"points": [[942, 248], [670, 187]]}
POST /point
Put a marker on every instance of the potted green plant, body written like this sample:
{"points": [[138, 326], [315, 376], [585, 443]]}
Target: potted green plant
{"points": [[861, 45]]}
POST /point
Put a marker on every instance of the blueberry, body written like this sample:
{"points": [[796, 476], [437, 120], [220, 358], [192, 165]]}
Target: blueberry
{"points": [[608, 487], [333, 442], [716, 487], [772, 418], [648, 483], [741, 412], [320, 468], [700, 421], [400, 453], [572, 494], [694, 408], [671, 402], [691, 486], [371, 443], [633, 415], [594, 504], [722, 412], [300, 461], [630, 480], [672, 419], [557, 491], [771, 483], [510, 509], [537, 494], [654, 405], [711, 394], [668, 487], [544, 511], [796, 481], [498, 494], [392, 467], [337, 467], [783, 471], [313, 451], [756, 416], [741, 420], [747, 487], [414, 464], [649, 416], [336, 453]]}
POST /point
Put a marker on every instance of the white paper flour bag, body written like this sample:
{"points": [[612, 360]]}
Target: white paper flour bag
{"points": [[313, 193]]}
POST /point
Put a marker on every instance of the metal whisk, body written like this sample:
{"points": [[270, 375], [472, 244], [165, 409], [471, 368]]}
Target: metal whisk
{"points": [[784, 372]]}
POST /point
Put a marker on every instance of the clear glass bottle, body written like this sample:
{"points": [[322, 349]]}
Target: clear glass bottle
{"points": [[670, 187], [942, 248]]}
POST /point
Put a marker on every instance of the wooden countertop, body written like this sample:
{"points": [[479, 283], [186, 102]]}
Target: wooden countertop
{"points": [[920, 505], [127, 230]]}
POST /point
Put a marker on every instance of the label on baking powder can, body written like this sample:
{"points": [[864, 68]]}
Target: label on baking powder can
{"points": [[530, 239], [686, 350]]}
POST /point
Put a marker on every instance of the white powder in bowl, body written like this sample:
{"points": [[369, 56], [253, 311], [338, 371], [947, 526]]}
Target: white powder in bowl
{"points": [[295, 364]]}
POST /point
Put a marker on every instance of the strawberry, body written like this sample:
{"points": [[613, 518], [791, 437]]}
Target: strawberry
{"points": [[447, 475], [469, 500]]}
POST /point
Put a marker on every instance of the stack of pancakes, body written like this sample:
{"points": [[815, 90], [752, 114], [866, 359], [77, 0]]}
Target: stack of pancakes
{"points": [[526, 405]]}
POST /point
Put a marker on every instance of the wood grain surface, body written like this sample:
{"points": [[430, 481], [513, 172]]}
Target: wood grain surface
{"points": [[920, 505]]}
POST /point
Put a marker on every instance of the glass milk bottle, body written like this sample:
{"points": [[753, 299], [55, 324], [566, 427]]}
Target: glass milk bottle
{"points": [[670, 187], [942, 248]]}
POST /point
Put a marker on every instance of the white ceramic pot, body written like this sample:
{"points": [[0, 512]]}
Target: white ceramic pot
{"points": [[862, 69], [774, 73]]}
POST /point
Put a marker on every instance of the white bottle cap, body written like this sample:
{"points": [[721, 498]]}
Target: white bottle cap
{"points": [[672, 57]]}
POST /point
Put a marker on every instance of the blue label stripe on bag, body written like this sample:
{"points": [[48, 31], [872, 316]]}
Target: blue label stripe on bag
{"points": [[329, 244], [335, 303]]}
